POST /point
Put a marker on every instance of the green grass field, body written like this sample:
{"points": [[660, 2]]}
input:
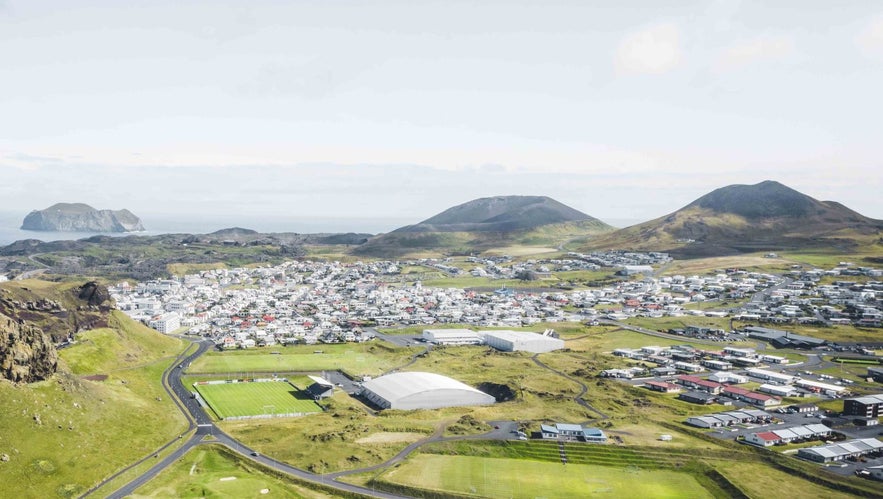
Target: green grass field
{"points": [[356, 359], [253, 399], [493, 477]]}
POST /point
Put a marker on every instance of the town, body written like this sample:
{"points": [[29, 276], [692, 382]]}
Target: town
{"points": [[330, 302]]}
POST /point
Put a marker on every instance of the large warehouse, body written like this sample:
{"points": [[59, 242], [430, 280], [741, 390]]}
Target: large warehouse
{"points": [[419, 390], [521, 341], [451, 337]]}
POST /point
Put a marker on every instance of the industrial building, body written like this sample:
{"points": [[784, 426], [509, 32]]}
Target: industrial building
{"points": [[841, 451], [421, 390], [522, 341], [730, 418], [771, 376], [452, 337]]}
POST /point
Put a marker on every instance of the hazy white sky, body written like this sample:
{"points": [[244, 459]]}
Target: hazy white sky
{"points": [[624, 110]]}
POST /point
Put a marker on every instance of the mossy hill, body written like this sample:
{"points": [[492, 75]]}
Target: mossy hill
{"points": [[736, 219], [486, 223], [80, 217]]}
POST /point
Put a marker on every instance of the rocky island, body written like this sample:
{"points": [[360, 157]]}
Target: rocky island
{"points": [[80, 217]]}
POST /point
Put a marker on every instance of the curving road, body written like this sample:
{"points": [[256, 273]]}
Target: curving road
{"points": [[200, 420]]}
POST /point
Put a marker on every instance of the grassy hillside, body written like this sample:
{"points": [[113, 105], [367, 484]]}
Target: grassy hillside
{"points": [[748, 218], [65, 434]]}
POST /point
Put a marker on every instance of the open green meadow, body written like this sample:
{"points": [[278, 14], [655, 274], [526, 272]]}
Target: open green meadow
{"points": [[494, 477], [212, 471], [357, 359], [253, 399]]}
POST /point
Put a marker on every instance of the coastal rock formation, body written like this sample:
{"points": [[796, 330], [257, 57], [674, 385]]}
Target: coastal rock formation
{"points": [[79, 217], [26, 353]]}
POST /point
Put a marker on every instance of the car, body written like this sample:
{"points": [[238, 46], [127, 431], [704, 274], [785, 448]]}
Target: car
{"points": [[255, 454]]}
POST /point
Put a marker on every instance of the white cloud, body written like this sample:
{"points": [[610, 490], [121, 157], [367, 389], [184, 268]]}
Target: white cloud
{"points": [[652, 50], [870, 40], [754, 50]]}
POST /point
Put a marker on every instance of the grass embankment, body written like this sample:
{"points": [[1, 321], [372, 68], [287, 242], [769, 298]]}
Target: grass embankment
{"points": [[355, 359], [66, 434], [214, 471]]}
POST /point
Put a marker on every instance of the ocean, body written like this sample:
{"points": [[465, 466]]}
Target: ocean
{"points": [[198, 224]]}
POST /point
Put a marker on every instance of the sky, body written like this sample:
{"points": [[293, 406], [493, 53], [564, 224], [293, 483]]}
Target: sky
{"points": [[624, 110]]}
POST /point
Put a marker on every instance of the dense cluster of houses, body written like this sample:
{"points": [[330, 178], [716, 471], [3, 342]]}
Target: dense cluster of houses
{"points": [[319, 302], [688, 359], [803, 299], [304, 301], [329, 302]]}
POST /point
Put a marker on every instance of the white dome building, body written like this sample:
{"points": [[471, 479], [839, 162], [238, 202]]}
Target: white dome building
{"points": [[419, 390]]}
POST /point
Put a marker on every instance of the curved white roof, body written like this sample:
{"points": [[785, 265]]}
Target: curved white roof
{"points": [[421, 390]]}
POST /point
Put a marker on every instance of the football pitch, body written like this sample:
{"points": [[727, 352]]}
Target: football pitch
{"points": [[516, 478], [255, 399]]}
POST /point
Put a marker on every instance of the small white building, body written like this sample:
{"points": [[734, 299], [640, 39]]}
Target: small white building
{"points": [[778, 390], [722, 377]]}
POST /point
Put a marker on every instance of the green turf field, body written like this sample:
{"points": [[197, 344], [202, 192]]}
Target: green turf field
{"points": [[354, 358], [253, 399], [494, 477]]}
